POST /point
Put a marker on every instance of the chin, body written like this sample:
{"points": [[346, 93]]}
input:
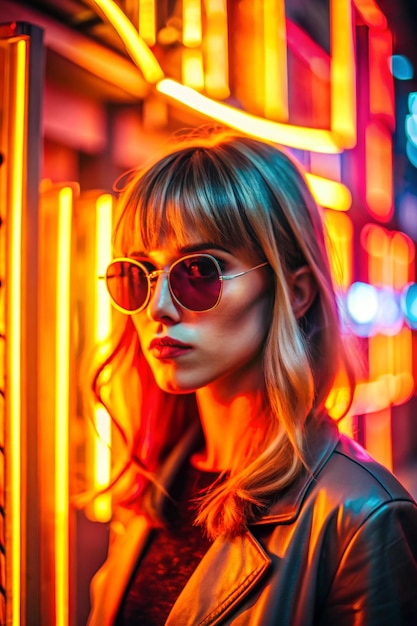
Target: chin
{"points": [[175, 386]]}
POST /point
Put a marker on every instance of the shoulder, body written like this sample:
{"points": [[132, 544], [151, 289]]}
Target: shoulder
{"points": [[343, 482], [351, 472], [347, 504], [354, 488]]}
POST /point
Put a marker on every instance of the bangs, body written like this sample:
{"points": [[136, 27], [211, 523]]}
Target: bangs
{"points": [[191, 193]]}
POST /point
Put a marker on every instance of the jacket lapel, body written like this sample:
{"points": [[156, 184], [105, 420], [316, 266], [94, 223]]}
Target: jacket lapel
{"points": [[227, 573], [110, 583]]}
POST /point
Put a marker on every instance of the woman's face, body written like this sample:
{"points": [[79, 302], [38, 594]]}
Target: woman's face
{"points": [[222, 347]]}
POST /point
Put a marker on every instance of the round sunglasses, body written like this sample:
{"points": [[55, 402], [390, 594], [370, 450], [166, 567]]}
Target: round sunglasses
{"points": [[195, 282]]}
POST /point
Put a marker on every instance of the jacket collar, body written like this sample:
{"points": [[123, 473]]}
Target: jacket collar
{"points": [[225, 576]]}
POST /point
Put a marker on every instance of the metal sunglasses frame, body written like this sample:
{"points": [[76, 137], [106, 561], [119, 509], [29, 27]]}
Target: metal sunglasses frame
{"points": [[151, 276]]}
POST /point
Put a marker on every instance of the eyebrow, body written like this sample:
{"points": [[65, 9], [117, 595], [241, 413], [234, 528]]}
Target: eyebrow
{"points": [[207, 245], [194, 247]]}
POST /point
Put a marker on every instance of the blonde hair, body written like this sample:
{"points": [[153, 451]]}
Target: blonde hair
{"points": [[238, 191]]}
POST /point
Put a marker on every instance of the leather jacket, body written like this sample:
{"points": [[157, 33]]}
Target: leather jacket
{"points": [[337, 547]]}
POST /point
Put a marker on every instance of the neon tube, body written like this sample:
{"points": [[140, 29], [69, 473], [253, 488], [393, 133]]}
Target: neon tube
{"points": [[62, 407], [14, 269], [134, 43], [304, 138], [342, 72], [102, 440], [330, 193]]}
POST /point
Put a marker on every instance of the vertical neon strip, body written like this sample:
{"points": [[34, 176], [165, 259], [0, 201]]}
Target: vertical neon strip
{"points": [[102, 455], [343, 72], [378, 437], [339, 229], [216, 57], [147, 22], [62, 407], [192, 56], [379, 184], [371, 13], [381, 84], [14, 303], [275, 59], [192, 28]]}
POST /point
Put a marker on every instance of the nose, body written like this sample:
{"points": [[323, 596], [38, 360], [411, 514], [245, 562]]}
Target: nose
{"points": [[161, 306]]}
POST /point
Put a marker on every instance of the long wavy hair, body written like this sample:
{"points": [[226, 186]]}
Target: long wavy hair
{"points": [[236, 191]]}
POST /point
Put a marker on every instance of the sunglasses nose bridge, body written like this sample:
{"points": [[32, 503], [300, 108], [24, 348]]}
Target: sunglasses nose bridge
{"points": [[152, 276]]}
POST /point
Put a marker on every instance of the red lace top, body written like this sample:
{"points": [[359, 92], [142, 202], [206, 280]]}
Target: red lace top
{"points": [[171, 557]]}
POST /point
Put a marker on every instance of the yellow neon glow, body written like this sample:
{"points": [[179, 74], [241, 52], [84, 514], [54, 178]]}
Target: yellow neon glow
{"points": [[275, 85], [342, 72], [19, 98], [216, 57], [192, 68], [103, 320], [135, 45], [102, 461], [330, 193], [147, 25], [104, 209], [192, 55], [191, 19], [339, 230], [304, 138], [62, 406]]}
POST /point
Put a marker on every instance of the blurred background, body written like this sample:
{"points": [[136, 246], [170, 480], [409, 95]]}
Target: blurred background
{"points": [[92, 88]]}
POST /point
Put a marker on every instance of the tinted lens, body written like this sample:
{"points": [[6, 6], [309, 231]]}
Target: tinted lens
{"points": [[195, 283], [127, 285]]}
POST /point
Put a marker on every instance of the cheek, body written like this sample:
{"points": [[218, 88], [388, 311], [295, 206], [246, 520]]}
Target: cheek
{"points": [[244, 323]]}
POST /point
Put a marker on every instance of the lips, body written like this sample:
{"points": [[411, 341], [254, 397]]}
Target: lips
{"points": [[168, 348]]}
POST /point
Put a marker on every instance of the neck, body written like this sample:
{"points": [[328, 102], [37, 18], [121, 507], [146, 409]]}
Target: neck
{"points": [[232, 425]]}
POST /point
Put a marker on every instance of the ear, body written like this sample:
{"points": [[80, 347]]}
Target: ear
{"points": [[303, 289]]}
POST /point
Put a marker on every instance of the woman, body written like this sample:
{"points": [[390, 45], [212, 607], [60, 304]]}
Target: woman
{"points": [[242, 505]]}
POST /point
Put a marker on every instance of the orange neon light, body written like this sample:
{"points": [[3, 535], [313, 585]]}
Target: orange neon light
{"points": [[403, 254], [381, 86], [343, 72], [330, 193], [275, 83], [192, 27], [103, 322], [147, 22], [65, 201], [378, 436], [379, 185], [216, 58], [339, 229], [192, 56], [13, 268], [135, 45], [304, 138], [371, 13], [342, 133], [192, 68]]}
